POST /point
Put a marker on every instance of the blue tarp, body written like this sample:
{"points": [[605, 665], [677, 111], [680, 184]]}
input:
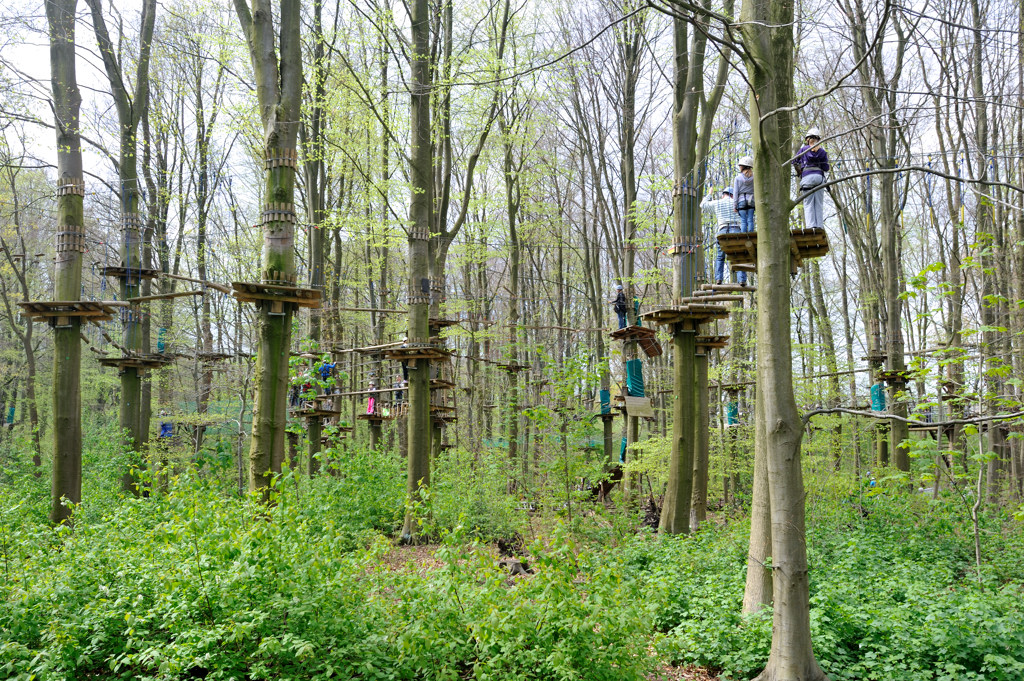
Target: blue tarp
{"points": [[732, 412], [622, 452], [606, 402]]}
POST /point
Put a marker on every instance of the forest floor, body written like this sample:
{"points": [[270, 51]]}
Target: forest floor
{"points": [[196, 579], [688, 673]]}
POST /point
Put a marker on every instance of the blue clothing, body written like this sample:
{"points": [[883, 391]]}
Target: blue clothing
{"points": [[325, 371], [166, 430], [747, 220], [741, 277]]}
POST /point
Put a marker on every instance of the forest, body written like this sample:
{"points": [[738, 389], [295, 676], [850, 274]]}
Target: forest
{"points": [[628, 340]]}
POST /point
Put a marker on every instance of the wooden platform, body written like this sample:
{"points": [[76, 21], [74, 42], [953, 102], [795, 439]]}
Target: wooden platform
{"points": [[416, 352], [213, 356], [693, 313], [512, 367], [895, 377], [437, 323], [59, 313], [376, 418], [633, 333], [714, 298], [275, 296], [741, 247], [140, 362], [441, 384], [711, 342], [650, 346], [313, 412], [709, 289], [132, 272]]}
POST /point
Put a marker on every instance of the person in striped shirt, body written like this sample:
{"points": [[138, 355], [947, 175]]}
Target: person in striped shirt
{"points": [[724, 210]]}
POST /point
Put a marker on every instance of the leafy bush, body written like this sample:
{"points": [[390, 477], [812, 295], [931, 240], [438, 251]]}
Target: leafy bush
{"points": [[893, 596]]}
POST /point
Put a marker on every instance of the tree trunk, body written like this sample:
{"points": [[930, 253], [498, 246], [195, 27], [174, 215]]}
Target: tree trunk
{"points": [[420, 208], [768, 36], [66, 483], [278, 76]]}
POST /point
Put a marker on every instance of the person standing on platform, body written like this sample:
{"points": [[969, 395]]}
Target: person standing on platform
{"points": [[743, 193], [811, 164], [619, 305], [724, 210]]}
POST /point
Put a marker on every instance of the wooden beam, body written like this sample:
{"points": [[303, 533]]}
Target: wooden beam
{"points": [[164, 296]]}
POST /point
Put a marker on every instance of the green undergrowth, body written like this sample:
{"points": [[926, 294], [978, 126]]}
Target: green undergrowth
{"points": [[196, 582], [894, 593]]}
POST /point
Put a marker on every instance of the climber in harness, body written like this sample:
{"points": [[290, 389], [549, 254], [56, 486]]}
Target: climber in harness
{"points": [[743, 193], [728, 223], [619, 305], [811, 164]]}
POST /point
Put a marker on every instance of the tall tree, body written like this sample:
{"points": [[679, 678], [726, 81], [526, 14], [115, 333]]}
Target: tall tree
{"points": [[131, 109], [421, 219], [66, 482], [276, 58], [767, 30]]}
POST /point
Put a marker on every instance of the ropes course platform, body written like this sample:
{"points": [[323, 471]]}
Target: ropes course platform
{"points": [[711, 342], [633, 333], [59, 313], [512, 367], [741, 247], [313, 412], [276, 296], [701, 297], [706, 289], [415, 352], [436, 323], [643, 335], [140, 362], [119, 272], [213, 356], [375, 418], [694, 313], [894, 377]]}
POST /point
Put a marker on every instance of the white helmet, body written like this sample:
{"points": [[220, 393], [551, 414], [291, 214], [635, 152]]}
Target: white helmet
{"points": [[746, 162], [813, 132]]}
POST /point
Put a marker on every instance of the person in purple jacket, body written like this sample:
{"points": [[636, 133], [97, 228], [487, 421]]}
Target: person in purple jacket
{"points": [[811, 164]]}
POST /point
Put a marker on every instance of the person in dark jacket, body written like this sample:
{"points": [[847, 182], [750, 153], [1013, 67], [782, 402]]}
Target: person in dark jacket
{"points": [[811, 164], [619, 305]]}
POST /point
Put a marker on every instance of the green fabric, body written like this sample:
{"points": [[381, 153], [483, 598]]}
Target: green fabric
{"points": [[877, 397], [635, 378]]}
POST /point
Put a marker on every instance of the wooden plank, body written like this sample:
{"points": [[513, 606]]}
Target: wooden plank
{"points": [[164, 296], [639, 406]]}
